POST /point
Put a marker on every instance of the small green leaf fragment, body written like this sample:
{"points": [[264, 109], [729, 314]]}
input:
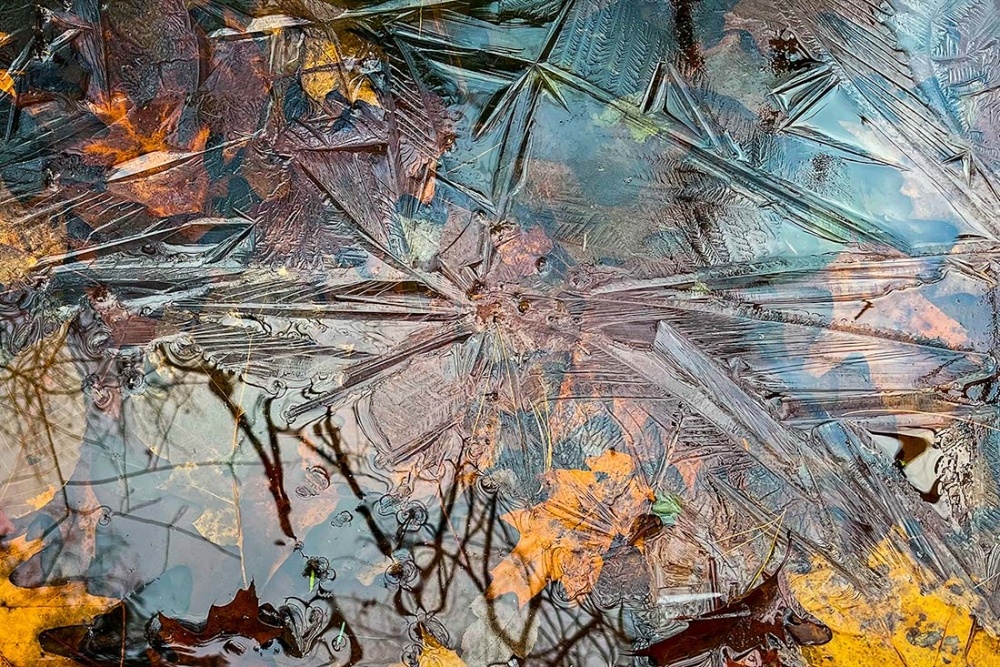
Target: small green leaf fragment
{"points": [[667, 506]]}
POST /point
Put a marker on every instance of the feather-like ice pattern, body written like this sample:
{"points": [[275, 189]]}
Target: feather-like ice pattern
{"points": [[397, 266]]}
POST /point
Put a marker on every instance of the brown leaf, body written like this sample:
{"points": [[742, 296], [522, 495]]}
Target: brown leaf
{"points": [[743, 626], [243, 617]]}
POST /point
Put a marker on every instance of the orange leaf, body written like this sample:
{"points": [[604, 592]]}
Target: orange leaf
{"points": [[26, 612], [434, 654], [565, 537], [7, 83]]}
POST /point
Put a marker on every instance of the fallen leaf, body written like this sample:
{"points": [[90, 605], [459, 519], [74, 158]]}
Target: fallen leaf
{"points": [[742, 628], [920, 626], [167, 182], [244, 617], [26, 612], [434, 654], [667, 507], [7, 83], [565, 537], [42, 413], [130, 133], [76, 517], [501, 630], [325, 70]]}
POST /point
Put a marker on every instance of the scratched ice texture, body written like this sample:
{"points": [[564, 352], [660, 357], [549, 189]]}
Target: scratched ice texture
{"points": [[524, 332]]}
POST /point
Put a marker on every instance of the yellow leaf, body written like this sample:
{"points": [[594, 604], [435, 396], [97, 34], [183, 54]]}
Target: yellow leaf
{"points": [[908, 626], [7, 83], [324, 70], [26, 612], [434, 654]]}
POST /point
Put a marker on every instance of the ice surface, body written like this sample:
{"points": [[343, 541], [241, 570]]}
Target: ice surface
{"points": [[369, 283]]}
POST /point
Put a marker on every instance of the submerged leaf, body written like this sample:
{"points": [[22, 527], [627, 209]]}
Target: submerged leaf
{"points": [[667, 507], [565, 537], [42, 422], [243, 617], [435, 654], [909, 621], [500, 631], [744, 625], [26, 612]]}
